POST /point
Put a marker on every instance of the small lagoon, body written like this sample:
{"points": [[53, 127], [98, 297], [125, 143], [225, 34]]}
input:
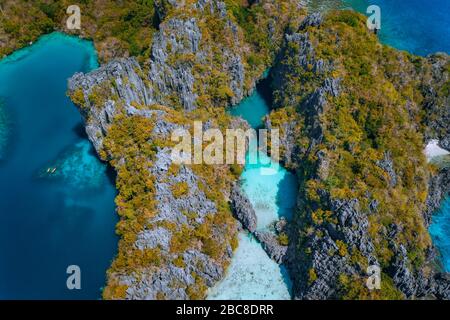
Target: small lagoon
{"points": [[252, 274], [57, 199]]}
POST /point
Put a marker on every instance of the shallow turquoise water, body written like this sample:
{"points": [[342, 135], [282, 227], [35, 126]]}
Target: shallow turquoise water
{"points": [[440, 232], [247, 110], [57, 199], [272, 196], [252, 274]]}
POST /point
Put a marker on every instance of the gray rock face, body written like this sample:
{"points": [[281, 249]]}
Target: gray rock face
{"points": [[352, 227], [438, 187], [176, 209], [441, 286], [271, 245], [316, 271], [180, 37], [151, 239], [437, 103], [243, 209], [287, 141], [403, 278], [209, 271], [388, 166], [314, 103], [168, 80], [326, 258], [119, 80], [312, 20]]}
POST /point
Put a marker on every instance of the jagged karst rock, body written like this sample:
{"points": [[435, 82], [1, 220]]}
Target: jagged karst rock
{"points": [[335, 226], [243, 209], [401, 273], [271, 245], [439, 186], [437, 103], [159, 237], [388, 166]]}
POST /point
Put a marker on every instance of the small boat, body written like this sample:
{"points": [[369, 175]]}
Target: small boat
{"points": [[51, 170]]}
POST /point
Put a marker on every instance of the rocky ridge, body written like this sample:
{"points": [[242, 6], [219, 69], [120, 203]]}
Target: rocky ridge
{"points": [[336, 242], [177, 233]]}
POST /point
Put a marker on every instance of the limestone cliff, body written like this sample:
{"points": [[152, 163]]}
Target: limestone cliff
{"points": [[177, 230], [355, 116]]}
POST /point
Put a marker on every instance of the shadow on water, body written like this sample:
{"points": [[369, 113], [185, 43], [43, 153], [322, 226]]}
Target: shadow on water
{"points": [[286, 278], [111, 174], [80, 131], [287, 195], [286, 200], [264, 89]]}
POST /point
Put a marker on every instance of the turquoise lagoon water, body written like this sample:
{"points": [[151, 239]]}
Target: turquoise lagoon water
{"points": [[440, 232], [56, 198], [252, 274]]}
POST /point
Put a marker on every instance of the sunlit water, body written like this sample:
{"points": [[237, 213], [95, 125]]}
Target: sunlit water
{"points": [[56, 198]]}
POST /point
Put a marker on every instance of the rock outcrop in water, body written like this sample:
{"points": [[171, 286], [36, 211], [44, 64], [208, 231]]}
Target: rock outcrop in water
{"points": [[353, 132], [271, 245], [243, 209], [177, 231]]}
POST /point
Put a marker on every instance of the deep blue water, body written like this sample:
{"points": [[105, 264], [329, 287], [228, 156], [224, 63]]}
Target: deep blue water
{"points": [[56, 198], [417, 26]]}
